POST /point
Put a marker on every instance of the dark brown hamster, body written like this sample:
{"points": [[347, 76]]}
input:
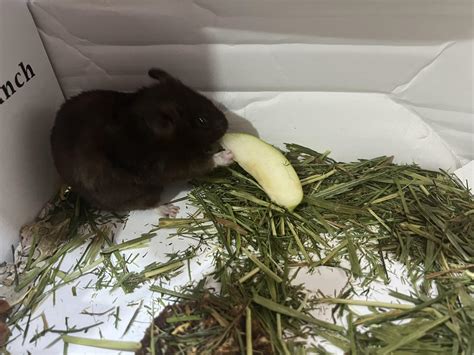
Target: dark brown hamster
{"points": [[118, 150]]}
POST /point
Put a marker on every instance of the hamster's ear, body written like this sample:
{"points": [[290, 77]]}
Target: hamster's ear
{"points": [[163, 123], [160, 75]]}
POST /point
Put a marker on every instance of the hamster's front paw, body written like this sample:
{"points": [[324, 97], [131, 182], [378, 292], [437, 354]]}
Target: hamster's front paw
{"points": [[224, 158], [168, 210]]}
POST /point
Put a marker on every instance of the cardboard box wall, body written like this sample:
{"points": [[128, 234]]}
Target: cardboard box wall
{"points": [[412, 57], [30, 95]]}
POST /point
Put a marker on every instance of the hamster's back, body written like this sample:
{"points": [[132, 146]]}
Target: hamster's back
{"points": [[78, 133]]}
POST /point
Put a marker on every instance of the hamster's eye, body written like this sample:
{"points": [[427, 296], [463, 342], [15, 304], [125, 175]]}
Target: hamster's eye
{"points": [[201, 121]]}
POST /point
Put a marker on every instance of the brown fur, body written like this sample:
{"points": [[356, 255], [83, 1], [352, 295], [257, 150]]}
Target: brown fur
{"points": [[118, 150]]}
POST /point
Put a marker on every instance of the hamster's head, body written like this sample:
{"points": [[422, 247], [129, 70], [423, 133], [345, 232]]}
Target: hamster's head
{"points": [[175, 113]]}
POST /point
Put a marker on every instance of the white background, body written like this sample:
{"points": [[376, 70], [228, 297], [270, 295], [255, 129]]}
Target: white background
{"points": [[27, 177]]}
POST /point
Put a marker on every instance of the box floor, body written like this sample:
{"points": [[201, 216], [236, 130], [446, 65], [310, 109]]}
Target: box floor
{"points": [[76, 309], [323, 121]]}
